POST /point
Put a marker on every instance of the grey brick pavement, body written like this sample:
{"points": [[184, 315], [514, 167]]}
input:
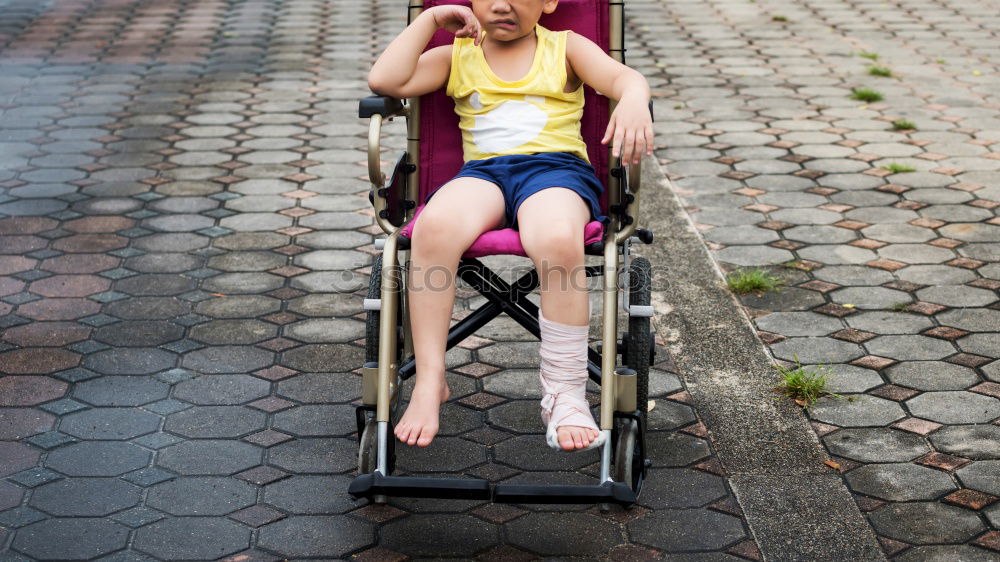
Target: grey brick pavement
{"points": [[891, 278]]}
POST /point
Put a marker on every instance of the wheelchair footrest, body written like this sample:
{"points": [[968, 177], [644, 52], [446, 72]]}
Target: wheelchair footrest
{"points": [[608, 492], [367, 485]]}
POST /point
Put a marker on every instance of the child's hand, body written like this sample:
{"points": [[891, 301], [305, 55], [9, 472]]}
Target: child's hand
{"points": [[631, 130], [458, 20]]}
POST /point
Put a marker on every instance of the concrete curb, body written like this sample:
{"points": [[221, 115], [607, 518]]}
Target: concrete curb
{"points": [[796, 507]]}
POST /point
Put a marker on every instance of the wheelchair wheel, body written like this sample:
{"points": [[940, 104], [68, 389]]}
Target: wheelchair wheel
{"points": [[372, 320], [628, 461], [368, 452], [638, 339]]}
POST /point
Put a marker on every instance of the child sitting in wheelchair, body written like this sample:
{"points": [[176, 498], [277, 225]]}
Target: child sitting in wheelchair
{"points": [[518, 91]]}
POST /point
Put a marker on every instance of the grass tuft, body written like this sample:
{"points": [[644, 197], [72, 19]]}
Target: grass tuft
{"points": [[804, 385], [866, 94], [752, 280], [875, 70], [903, 125], [779, 18], [899, 168], [868, 55]]}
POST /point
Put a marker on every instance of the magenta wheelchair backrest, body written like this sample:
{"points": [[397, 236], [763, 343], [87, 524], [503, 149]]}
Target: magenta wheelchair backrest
{"points": [[440, 137]]}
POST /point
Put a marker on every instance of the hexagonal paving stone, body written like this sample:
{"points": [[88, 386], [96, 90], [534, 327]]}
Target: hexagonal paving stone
{"points": [[46, 334], [97, 458], [863, 411], [530, 452], [203, 538], [19, 423], [926, 523], [318, 358], [311, 495], [971, 319], [670, 415], [325, 305], [70, 538], [221, 389], [247, 261], [130, 361], [109, 423], [799, 323], [121, 391], [848, 378], [316, 420], [15, 457], [37, 361], [321, 387], [431, 535], [216, 421], [877, 444], [323, 536], [317, 330], [981, 344], [228, 359], [885, 322], [957, 295], [681, 487], [955, 407], [971, 441], [932, 375], [914, 348], [816, 350], [981, 475], [85, 497], [312, 455], [900, 482], [29, 390], [209, 457], [870, 298], [239, 306], [563, 534], [686, 530], [223, 332], [208, 495], [448, 454]]}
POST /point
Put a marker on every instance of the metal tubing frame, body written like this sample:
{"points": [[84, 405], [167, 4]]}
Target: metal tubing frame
{"points": [[387, 326]]}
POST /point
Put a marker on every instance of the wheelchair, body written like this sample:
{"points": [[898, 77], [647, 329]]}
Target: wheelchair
{"points": [[433, 155]]}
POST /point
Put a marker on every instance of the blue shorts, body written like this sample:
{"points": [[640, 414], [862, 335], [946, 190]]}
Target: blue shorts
{"points": [[521, 175]]}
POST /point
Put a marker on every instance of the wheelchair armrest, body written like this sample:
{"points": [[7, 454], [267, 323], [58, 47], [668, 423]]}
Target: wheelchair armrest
{"points": [[380, 105]]}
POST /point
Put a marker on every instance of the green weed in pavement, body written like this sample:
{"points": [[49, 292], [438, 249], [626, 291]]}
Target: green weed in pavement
{"points": [[804, 385], [866, 94], [897, 168], [752, 280]]}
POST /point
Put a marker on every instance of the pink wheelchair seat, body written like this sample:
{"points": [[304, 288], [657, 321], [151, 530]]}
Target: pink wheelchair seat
{"points": [[504, 240]]}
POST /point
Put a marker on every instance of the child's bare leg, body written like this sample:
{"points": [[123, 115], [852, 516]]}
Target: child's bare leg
{"points": [[551, 223], [454, 217]]}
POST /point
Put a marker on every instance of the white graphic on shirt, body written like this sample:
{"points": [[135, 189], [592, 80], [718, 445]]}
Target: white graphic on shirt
{"points": [[508, 126]]}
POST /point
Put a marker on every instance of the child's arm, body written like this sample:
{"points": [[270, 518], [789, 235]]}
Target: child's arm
{"points": [[631, 126], [403, 72]]}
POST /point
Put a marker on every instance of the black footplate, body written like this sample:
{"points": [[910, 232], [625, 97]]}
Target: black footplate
{"points": [[368, 485]]}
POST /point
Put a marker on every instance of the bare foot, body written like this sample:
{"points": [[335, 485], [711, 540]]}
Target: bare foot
{"points": [[573, 437], [419, 423]]}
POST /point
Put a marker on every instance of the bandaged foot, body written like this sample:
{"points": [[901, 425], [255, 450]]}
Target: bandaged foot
{"points": [[563, 372], [419, 423]]}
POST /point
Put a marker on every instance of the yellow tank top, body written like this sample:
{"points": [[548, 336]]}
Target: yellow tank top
{"points": [[526, 116]]}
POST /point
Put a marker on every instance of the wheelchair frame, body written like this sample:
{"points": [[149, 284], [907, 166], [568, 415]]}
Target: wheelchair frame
{"points": [[620, 389]]}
